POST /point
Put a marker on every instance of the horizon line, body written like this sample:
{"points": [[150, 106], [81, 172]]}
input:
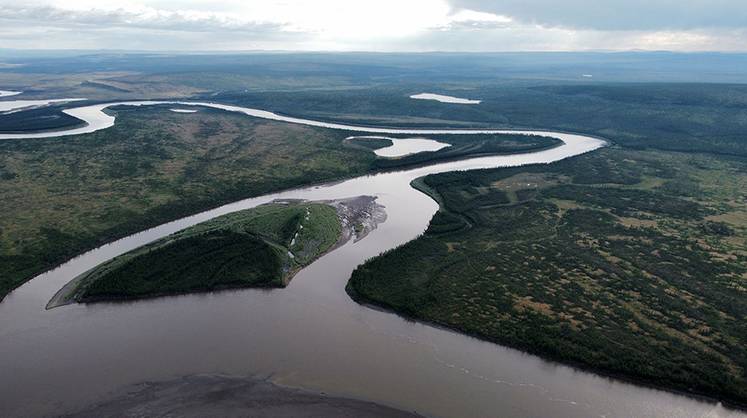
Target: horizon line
{"points": [[322, 51]]}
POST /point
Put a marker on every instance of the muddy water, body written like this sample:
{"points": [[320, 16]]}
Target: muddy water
{"points": [[308, 335]]}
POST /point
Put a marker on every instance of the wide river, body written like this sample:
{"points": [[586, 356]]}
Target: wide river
{"points": [[310, 334]]}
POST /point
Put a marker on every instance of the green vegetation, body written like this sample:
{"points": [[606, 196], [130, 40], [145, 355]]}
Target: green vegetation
{"points": [[41, 119], [64, 196], [632, 263], [686, 117], [474, 145], [462, 146], [370, 143], [260, 247]]}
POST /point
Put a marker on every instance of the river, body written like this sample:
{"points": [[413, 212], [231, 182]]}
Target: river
{"points": [[310, 334]]}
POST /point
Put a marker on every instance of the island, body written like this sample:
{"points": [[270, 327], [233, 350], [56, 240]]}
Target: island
{"points": [[260, 247]]}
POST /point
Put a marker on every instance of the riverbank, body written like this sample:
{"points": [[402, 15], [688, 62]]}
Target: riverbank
{"points": [[438, 373], [565, 261], [155, 165], [262, 247]]}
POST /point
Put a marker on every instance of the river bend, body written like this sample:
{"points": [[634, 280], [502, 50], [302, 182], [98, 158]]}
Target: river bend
{"points": [[309, 334]]}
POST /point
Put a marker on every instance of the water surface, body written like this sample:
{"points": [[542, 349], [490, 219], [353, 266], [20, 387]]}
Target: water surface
{"points": [[10, 105], [444, 99], [404, 146], [309, 334]]}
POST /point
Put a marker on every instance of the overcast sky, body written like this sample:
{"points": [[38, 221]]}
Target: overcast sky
{"points": [[376, 25]]}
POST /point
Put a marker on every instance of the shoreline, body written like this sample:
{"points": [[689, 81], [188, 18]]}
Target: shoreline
{"points": [[350, 213], [577, 366], [419, 185], [544, 357], [375, 171]]}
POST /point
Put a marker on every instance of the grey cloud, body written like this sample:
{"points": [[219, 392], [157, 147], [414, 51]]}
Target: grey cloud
{"points": [[618, 14]]}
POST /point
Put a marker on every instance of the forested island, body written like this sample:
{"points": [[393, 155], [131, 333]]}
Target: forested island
{"points": [[262, 247]]}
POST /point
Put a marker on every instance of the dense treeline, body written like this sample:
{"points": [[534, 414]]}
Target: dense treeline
{"points": [[248, 248], [210, 261], [599, 262], [372, 143], [44, 118]]}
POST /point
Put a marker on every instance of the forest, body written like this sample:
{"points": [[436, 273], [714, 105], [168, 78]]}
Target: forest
{"points": [[630, 263], [68, 195], [249, 248]]}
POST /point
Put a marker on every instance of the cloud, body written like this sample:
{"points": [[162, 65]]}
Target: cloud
{"points": [[148, 18], [471, 20], [375, 25], [656, 15]]}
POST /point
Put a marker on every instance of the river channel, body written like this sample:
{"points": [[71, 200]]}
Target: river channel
{"points": [[310, 334]]}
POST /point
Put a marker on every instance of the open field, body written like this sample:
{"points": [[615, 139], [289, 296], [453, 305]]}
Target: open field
{"points": [[633, 263]]}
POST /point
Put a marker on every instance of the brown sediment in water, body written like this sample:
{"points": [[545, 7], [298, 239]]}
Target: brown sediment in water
{"points": [[227, 396]]}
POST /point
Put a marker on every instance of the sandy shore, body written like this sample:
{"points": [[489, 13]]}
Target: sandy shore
{"points": [[358, 215]]}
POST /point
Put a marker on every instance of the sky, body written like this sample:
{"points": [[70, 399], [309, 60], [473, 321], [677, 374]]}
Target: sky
{"points": [[375, 25]]}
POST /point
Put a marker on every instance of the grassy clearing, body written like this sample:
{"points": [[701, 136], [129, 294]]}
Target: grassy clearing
{"points": [[631, 263], [260, 247]]}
